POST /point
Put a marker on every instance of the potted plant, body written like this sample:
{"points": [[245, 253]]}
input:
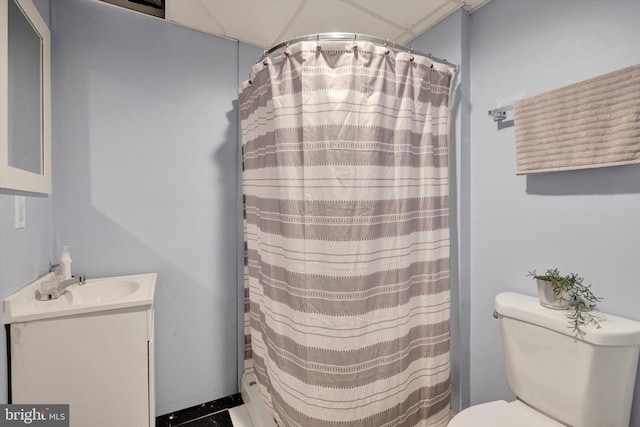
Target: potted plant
{"points": [[568, 292]]}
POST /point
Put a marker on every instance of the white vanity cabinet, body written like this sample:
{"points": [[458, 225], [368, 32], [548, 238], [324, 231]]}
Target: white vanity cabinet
{"points": [[100, 362]]}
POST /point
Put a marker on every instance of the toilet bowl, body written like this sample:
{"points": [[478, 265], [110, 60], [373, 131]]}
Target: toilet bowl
{"points": [[560, 379]]}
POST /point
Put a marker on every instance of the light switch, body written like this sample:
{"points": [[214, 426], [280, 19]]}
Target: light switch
{"points": [[21, 214]]}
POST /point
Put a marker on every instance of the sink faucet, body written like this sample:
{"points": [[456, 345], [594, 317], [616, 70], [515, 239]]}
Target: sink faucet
{"points": [[61, 289]]}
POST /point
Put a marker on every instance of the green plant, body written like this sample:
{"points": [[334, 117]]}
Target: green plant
{"points": [[583, 301]]}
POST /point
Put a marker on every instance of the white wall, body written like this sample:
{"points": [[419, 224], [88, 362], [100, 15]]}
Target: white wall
{"points": [[145, 153], [24, 253], [582, 221]]}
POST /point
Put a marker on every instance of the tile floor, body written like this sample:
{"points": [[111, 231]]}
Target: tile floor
{"points": [[229, 411], [210, 414]]}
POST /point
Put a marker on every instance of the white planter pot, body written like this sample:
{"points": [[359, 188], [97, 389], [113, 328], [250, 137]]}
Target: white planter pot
{"points": [[549, 299]]}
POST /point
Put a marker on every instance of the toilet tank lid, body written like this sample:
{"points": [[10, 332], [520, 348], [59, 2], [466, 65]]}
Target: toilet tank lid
{"points": [[614, 331]]}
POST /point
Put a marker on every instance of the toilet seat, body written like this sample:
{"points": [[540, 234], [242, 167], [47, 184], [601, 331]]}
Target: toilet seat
{"points": [[502, 414]]}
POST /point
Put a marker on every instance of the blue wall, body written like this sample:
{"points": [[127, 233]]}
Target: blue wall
{"points": [[583, 221], [145, 141], [145, 159], [24, 253]]}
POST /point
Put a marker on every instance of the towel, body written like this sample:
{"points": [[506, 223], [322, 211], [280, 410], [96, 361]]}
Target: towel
{"points": [[594, 123]]}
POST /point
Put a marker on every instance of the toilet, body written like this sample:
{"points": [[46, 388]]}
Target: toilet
{"points": [[560, 380]]}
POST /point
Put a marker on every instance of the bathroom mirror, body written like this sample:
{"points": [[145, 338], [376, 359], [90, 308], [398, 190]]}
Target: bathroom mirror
{"points": [[25, 106]]}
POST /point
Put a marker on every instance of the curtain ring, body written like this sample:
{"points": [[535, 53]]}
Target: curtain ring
{"points": [[411, 58]]}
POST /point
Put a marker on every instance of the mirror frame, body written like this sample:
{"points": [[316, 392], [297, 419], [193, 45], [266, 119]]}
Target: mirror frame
{"points": [[11, 177]]}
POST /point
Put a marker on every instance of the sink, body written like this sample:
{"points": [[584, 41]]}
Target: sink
{"points": [[102, 291], [110, 293]]}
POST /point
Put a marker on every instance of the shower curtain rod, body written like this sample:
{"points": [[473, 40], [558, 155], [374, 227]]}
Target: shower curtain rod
{"points": [[354, 37]]}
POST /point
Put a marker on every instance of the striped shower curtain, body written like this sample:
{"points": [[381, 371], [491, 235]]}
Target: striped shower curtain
{"points": [[346, 195]]}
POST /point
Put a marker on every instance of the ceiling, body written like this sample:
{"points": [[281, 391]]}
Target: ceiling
{"points": [[265, 23]]}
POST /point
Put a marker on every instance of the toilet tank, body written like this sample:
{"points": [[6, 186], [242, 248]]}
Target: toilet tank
{"points": [[585, 382]]}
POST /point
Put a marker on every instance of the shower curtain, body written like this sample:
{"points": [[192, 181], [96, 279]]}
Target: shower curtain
{"points": [[346, 197]]}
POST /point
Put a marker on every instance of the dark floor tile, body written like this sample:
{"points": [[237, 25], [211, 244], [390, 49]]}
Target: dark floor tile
{"points": [[197, 412], [221, 419]]}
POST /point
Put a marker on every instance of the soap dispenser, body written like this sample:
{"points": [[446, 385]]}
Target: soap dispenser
{"points": [[65, 262]]}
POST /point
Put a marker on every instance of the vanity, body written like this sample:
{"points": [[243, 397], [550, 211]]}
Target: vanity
{"points": [[91, 348]]}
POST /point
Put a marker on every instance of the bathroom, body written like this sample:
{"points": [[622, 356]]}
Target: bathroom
{"points": [[145, 179]]}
